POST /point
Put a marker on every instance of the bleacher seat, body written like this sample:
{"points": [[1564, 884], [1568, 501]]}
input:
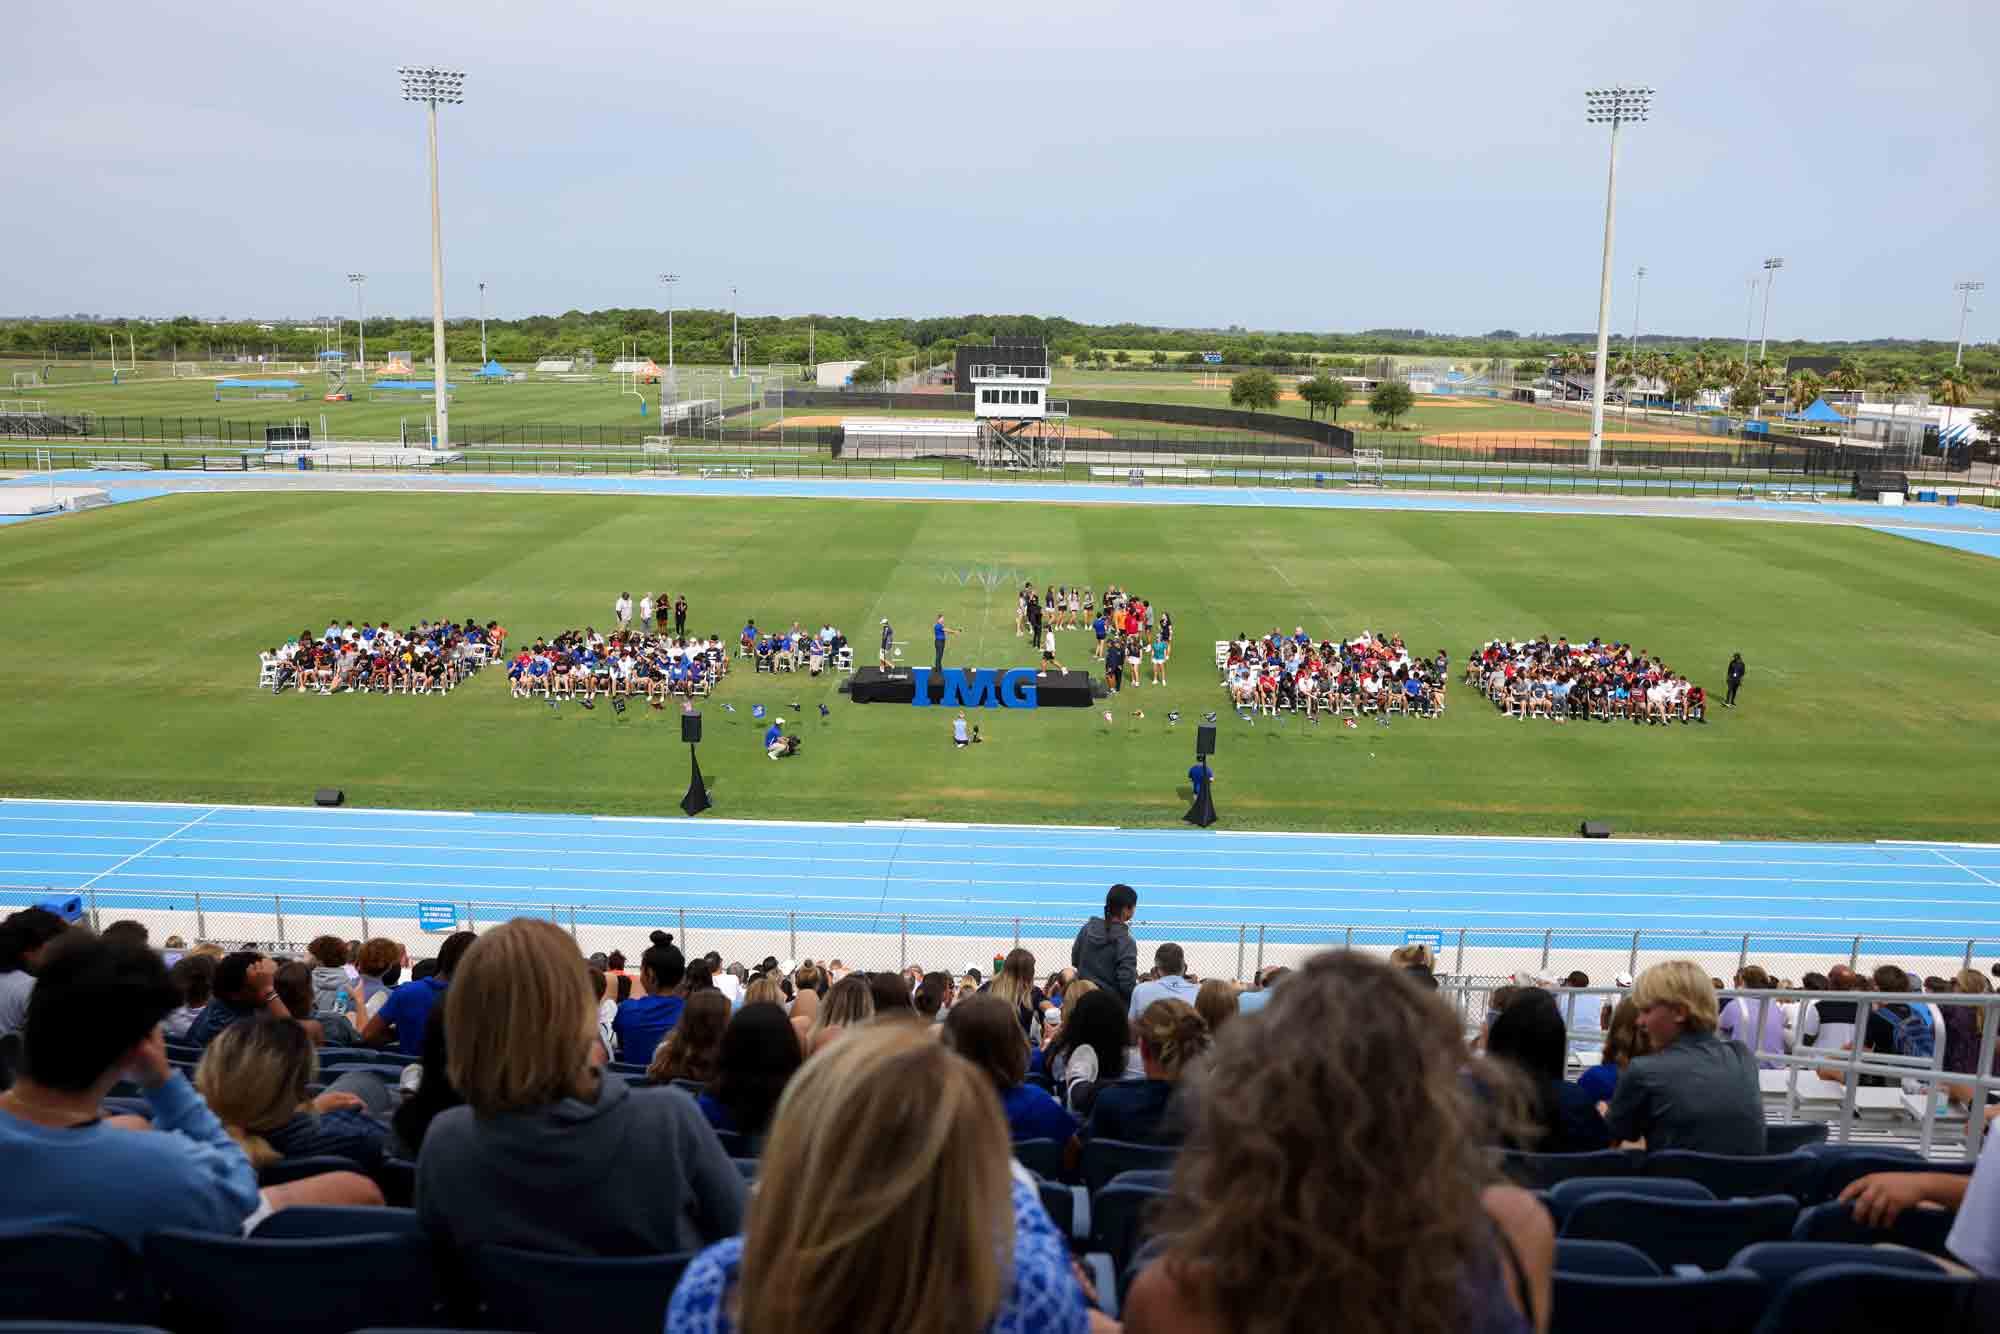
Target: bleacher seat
{"points": [[1779, 1262], [318, 1285], [1153, 1178], [1870, 1298], [1539, 1171], [1919, 1229], [557, 1293], [336, 1220], [70, 1273], [737, 1146], [1839, 1168], [746, 1168], [1613, 1258], [1729, 1302], [1043, 1157], [1117, 1222], [73, 1327], [1060, 1202], [297, 1169], [1104, 1159], [1730, 1178], [1785, 1136], [398, 1179], [1682, 1232], [1564, 1196]]}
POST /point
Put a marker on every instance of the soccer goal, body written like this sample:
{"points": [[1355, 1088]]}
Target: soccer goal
{"points": [[27, 379], [1367, 468], [186, 370]]}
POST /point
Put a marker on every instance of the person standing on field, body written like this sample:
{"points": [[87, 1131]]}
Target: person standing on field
{"points": [[646, 612], [1735, 679], [680, 615], [940, 632], [622, 609]]}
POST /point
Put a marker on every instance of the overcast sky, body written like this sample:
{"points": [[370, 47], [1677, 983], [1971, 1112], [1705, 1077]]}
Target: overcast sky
{"points": [[1325, 165]]}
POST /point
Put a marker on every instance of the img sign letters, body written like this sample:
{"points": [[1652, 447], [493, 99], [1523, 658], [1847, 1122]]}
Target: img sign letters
{"points": [[975, 688]]}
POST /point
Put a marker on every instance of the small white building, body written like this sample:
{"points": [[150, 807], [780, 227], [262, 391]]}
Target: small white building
{"points": [[836, 374]]}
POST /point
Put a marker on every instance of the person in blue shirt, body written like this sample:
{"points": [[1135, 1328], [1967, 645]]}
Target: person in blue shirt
{"points": [[986, 1032], [643, 1021], [1199, 777], [404, 1015], [774, 739], [939, 633], [1098, 628], [244, 987], [94, 1019]]}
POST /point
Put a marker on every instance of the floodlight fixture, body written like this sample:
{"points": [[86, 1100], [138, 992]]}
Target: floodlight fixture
{"points": [[1965, 290], [1615, 107], [432, 83]]}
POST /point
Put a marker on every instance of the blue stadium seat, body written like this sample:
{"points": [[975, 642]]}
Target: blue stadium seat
{"points": [[1043, 1157], [1565, 1195], [1539, 1171], [1614, 1259], [336, 1220], [1785, 1136], [1866, 1299], [1840, 1167], [1779, 1262], [347, 1056], [1104, 1159], [612, 1295], [73, 1327], [1729, 1302], [747, 1167], [1060, 1202], [735, 1145], [297, 1169], [1919, 1229], [70, 1273], [1153, 1178], [398, 1179], [1730, 1178], [320, 1285], [1117, 1222], [1683, 1232]]}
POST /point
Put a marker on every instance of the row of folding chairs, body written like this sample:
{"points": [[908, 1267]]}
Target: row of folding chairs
{"points": [[1810, 1175]]}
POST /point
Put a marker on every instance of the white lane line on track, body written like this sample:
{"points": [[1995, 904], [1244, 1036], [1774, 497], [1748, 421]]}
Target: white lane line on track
{"points": [[149, 847], [1953, 861]]}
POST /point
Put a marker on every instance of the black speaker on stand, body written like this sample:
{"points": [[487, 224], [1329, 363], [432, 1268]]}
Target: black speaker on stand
{"points": [[696, 801], [1202, 812]]}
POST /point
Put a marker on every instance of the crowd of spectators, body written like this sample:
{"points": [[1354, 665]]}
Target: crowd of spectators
{"points": [[1371, 673], [626, 664], [417, 660], [1594, 681], [798, 649], [1333, 1128]]}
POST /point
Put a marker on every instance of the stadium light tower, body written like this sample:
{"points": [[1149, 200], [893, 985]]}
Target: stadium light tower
{"points": [[360, 317], [431, 85], [482, 325], [735, 340], [1638, 295], [667, 280], [1771, 267], [1965, 291], [1614, 107]]}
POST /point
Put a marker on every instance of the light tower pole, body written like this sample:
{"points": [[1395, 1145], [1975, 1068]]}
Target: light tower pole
{"points": [[1771, 267], [482, 325], [360, 316], [735, 341], [1638, 295], [1614, 107], [431, 85], [1965, 291], [667, 280]]}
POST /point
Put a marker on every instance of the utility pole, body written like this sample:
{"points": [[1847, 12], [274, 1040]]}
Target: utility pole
{"points": [[430, 85], [1613, 107]]}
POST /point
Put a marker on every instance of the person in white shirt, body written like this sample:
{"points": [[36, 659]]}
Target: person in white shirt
{"points": [[646, 612], [622, 609], [1172, 983], [1974, 1241], [1049, 651]]}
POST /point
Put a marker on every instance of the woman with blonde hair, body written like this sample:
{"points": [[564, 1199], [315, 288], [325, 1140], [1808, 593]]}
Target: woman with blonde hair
{"points": [[914, 1224], [1216, 1003], [1623, 1040], [1393, 1220], [253, 1076], [1694, 1090], [1015, 984], [847, 1003], [764, 990], [690, 1050], [1171, 1038], [1963, 1025], [539, 1118]]}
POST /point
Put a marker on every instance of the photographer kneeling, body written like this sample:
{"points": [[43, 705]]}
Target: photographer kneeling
{"points": [[776, 744]]}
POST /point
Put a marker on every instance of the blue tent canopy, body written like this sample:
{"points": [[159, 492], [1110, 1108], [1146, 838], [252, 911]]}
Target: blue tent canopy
{"points": [[1818, 412], [414, 386], [256, 384], [492, 370], [331, 355]]}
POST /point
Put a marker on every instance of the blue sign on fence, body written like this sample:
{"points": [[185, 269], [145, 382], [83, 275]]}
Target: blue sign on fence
{"points": [[437, 916], [1212, 358], [1434, 939]]}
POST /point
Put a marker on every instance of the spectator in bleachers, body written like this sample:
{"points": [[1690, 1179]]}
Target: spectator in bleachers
{"points": [[1216, 1003], [1092, 1050], [1963, 1027], [333, 991], [1765, 1019], [932, 1000], [759, 1055], [1171, 984], [293, 983], [645, 1020], [1104, 950], [549, 1155], [891, 994], [1014, 983], [1693, 1090], [434, 1092], [1829, 1025], [408, 1009], [127, 932], [1879, 1198], [380, 963], [983, 1031], [1250, 1002], [24, 936], [1336, 1178], [1530, 1035], [245, 987], [94, 1019], [1623, 1040], [1172, 1038], [254, 1077], [847, 1003], [193, 979], [690, 1050], [905, 1226]]}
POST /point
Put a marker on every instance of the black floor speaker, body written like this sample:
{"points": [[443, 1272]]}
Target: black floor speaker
{"points": [[1204, 740], [1595, 829], [691, 728], [329, 796]]}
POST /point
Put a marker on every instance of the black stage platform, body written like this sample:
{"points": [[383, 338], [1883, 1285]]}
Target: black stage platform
{"points": [[1057, 690]]}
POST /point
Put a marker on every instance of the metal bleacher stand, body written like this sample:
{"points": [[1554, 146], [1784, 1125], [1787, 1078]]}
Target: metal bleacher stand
{"points": [[1912, 1111]]}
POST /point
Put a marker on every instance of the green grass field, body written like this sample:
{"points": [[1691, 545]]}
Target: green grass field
{"points": [[1868, 711]]}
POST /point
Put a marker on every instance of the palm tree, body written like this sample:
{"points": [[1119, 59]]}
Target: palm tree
{"points": [[1622, 380], [1952, 390], [1804, 390], [1848, 378]]}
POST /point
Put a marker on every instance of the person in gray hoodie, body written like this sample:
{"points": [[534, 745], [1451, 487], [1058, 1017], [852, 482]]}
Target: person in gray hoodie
{"points": [[333, 991], [549, 1153], [1104, 950]]}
